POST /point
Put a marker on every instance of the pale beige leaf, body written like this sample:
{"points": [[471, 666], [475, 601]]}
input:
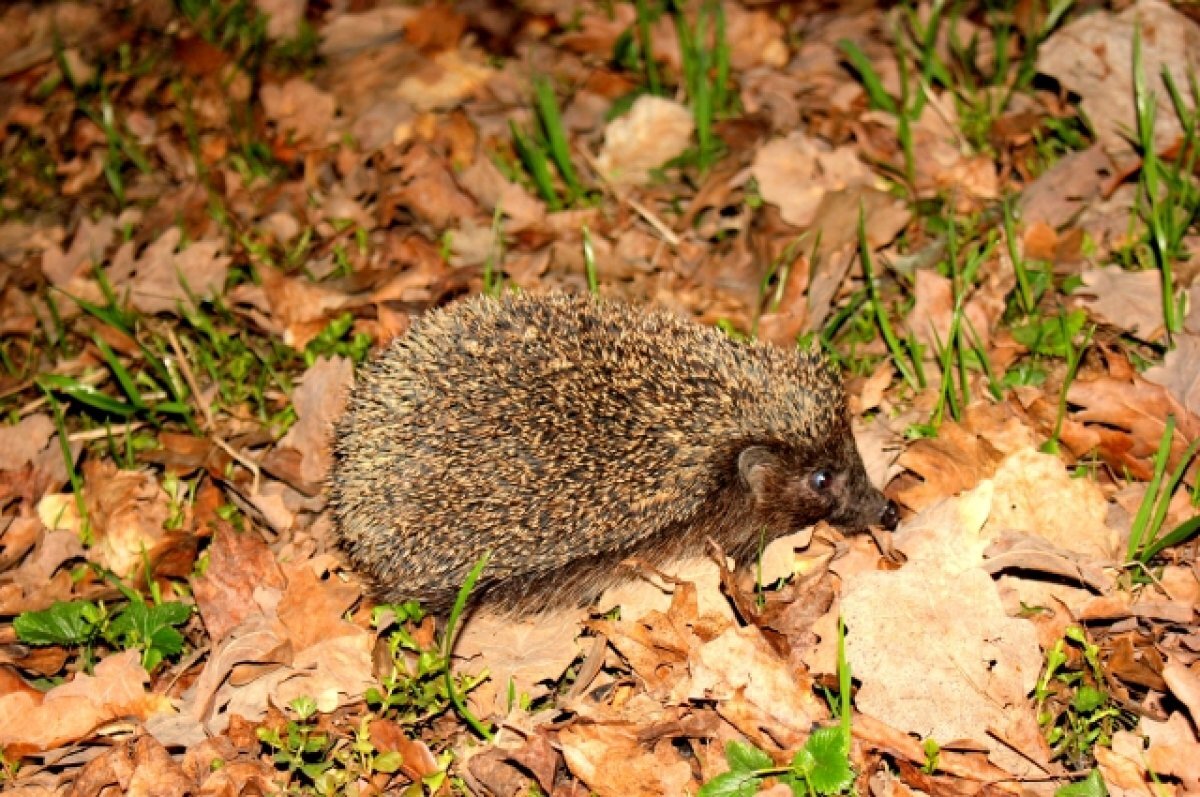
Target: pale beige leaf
{"points": [[653, 132]]}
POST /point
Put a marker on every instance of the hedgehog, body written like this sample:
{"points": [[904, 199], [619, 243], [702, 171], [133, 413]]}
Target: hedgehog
{"points": [[566, 434]]}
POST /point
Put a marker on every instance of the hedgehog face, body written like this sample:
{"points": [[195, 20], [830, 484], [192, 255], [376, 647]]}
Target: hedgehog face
{"points": [[792, 489]]}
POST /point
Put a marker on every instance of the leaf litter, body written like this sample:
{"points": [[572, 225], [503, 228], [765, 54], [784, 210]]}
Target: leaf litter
{"points": [[211, 211]]}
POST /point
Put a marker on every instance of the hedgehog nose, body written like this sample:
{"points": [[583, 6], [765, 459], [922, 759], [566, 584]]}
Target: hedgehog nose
{"points": [[890, 516]]}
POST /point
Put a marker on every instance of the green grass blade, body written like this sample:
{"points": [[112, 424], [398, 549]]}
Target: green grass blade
{"points": [[539, 168], [86, 394], [556, 135], [1141, 521], [124, 378], [877, 96]]}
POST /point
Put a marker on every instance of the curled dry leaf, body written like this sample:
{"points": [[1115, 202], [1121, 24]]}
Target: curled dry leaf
{"points": [[756, 690], [653, 132], [1122, 417], [127, 510], [658, 770], [139, 766]]}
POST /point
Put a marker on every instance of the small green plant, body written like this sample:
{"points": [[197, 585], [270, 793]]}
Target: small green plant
{"points": [[335, 339], [319, 759], [149, 627], [1074, 710], [933, 752], [1146, 539], [421, 684], [493, 277], [414, 691], [300, 748], [1091, 786]]}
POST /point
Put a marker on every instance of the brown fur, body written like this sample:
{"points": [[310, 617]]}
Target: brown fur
{"points": [[566, 434]]}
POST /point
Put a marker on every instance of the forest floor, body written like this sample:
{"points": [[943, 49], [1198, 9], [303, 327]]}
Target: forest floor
{"points": [[986, 213]]}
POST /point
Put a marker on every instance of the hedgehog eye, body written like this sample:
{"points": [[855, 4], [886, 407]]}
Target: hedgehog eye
{"points": [[820, 479]]}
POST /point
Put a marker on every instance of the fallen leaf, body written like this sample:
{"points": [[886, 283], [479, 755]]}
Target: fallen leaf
{"points": [[1129, 300], [300, 109], [318, 401], [528, 655], [796, 172], [127, 510], [21, 442], [155, 281], [238, 563], [653, 132], [1179, 373], [1092, 56], [70, 712]]}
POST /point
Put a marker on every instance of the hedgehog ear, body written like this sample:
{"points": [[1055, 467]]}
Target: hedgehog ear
{"points": [[755, 465]]}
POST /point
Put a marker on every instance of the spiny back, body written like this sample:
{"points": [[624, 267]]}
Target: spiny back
{"points": [[552, 429]]}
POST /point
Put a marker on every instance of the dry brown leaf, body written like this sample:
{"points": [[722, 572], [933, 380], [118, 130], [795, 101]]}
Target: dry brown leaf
{"points": [[139, 766], [91, 241], [639, 597], [527, 655], [653, 132], [1123, 419], [1179, 373], [1092, 56], [21, 442], [29, 36], [30, 720], [238, 563], [155, 281], [755, 690], [910, 638], [127, 510], [318, 402], [493, 190], [1074, 520], [797, 172], [1129, 300], [1060, 193], [312, 609], [953, 461], [259, 640], [283, 17], [299, 309], [591, 752], [444, 80], [302, 111]]}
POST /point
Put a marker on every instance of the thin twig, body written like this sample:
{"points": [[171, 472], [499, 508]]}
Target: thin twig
{"points": [[209, 423], [654, 221]]}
